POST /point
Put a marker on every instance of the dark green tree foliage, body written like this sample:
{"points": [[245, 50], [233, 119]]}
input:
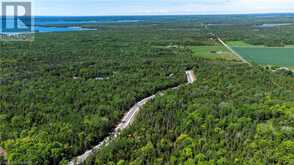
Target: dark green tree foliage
{"points": [[65, 92], [233, 114]]}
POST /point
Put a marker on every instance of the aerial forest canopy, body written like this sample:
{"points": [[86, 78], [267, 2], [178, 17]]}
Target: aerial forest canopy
{"points": [[60, 98], [65, 92], [233, 114]]}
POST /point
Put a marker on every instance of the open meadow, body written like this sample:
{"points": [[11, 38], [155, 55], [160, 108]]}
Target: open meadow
{"points": [[213, 52]]}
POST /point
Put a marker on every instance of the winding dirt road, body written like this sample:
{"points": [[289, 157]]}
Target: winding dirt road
{"points": [[125, 122]]}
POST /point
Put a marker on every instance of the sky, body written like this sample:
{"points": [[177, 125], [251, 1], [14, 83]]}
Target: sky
{"points": [[158, 7]]}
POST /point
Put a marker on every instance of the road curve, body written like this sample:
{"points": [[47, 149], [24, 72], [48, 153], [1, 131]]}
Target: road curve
{"points": [[126, 121]]}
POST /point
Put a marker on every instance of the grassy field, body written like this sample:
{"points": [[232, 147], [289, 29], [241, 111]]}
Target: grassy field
{"points": [[269, 56], [213, 52], [238, 44]]}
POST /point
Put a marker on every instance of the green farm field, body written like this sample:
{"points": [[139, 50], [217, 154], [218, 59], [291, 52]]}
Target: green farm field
{"points": [[267, 56], [244, 44], [213, 52], [239, 44]]}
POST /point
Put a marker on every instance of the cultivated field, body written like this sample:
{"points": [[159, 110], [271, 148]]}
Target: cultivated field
{"points": [[266, 55]]}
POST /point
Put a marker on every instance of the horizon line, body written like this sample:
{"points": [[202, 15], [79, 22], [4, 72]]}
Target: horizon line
{"points": [[180, 14]]}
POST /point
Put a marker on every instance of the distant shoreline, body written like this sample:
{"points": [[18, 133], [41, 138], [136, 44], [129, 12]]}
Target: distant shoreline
{"points": [[159, 15]]}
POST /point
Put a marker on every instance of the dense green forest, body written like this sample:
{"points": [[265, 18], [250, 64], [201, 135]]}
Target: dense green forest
{"points": [[248, 28], [233, 114], [64, 92]]}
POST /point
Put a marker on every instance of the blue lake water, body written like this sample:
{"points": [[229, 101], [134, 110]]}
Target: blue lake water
{"points": [[274, 25], [59, 29], [42, 28], [46, 24]]}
